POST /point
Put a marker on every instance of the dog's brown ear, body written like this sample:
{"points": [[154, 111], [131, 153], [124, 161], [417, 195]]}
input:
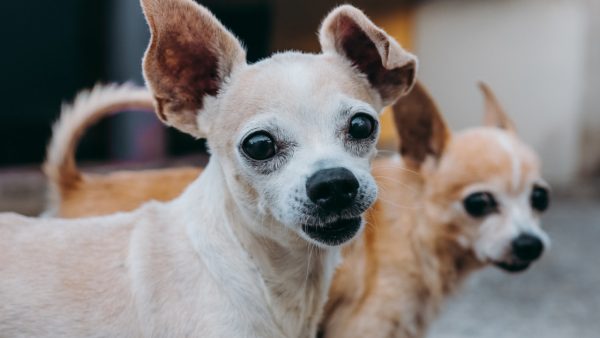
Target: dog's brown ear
{"points": [[421, 128], [495, 115], [390, 69], [188, 60]]}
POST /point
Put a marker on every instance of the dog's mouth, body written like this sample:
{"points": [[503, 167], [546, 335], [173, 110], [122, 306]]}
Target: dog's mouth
{"points": [[334, 233], [513, 266]]}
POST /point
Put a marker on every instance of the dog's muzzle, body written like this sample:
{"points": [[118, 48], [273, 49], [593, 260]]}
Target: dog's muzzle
{"points": [[333, 191], [525, 249]]}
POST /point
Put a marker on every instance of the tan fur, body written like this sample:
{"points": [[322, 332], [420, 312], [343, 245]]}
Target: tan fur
{"points": [[96, 195], [419, 247], [76, 194], [423, 134], [230, 256], [87, 108], [495, 115]]}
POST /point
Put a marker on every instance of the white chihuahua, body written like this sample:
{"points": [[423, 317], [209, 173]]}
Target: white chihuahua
{"points": [[249, 249]]}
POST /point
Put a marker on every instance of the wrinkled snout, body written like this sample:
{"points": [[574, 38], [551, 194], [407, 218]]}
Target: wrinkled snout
{"points": [[332, 189]]}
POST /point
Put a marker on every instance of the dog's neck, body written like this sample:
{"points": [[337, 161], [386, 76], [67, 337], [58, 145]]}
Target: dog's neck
{"points": [[292, 278], [443, 261], [433, 243]]}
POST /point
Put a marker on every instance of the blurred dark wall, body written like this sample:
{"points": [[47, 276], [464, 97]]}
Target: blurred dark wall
{"points": [[52, 49]]}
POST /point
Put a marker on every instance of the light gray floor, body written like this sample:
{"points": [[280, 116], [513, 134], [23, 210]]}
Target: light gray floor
{"points": [[557, 298]]}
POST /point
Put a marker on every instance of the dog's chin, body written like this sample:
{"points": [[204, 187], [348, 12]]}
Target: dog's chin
{"points": [[513, 266], [334, 233]]}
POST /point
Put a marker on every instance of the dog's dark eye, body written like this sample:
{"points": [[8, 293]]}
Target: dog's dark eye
{"points": [[259, 146], [540, 198], [361, 126], [480, 204]]}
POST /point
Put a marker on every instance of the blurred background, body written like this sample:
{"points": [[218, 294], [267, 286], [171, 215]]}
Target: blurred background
{"points": [[542, 58]]}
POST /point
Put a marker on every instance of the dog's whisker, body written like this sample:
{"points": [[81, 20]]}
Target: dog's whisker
{"points": [[399, 166], [394, 204], [387, 151], [402, 184]]}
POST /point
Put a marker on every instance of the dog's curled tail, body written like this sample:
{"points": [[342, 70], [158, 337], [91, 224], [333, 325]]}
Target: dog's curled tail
{"points": [[88, 107]]}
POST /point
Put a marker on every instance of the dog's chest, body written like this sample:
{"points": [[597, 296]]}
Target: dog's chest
{"points": [[298, 301], [184, 293]]}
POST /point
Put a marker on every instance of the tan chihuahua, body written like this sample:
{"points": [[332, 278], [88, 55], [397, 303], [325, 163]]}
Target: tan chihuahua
{"points": [[476, 201], [250, 247]]}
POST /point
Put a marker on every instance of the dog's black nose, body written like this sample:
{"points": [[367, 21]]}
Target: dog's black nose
{"points": [[332, 189], [527, 247]]}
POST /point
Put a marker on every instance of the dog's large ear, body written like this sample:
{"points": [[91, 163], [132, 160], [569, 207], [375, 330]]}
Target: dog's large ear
{"points": [[495, 115], [390, 69], [421, 128], [188, 60]]}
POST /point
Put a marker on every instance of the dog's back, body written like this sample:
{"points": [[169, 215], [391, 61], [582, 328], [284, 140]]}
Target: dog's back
{"points": [[110, 276], [101, 194], [51, 270]]}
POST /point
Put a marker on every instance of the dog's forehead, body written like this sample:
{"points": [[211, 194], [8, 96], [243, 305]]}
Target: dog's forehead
{"points": [[288, 83], [487, 155], [306, 73]]}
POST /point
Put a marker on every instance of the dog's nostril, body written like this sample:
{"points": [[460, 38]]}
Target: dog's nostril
{"points": [[320, 192], [332, 189], [527, 247]]}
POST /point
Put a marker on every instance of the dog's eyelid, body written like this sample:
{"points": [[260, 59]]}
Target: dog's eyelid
{"points": [[354, 106], [479, 188], [362, 110], [269, 128], [251, 131], [541, 184]]}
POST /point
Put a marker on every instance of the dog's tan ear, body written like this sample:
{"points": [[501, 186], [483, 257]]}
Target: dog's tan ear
{"points": [[390, 69], [495, 115], [421, 128], [188, 60]]}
